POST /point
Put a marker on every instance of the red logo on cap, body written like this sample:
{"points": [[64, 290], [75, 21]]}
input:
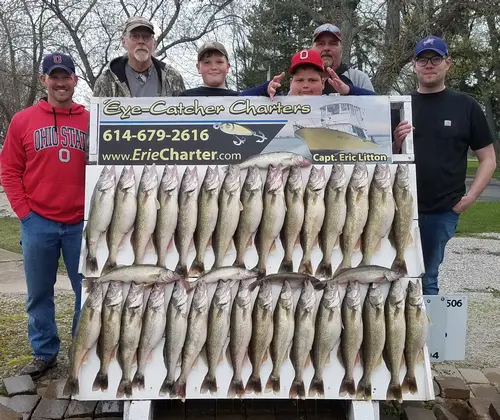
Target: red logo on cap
{"points": [[57, 59]]}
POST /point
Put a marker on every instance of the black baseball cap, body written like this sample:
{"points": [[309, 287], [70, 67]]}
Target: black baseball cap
{"points": [[58, 61]]}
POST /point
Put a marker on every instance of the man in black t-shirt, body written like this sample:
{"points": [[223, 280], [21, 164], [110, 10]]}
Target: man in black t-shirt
{"points": [[445, 123]]}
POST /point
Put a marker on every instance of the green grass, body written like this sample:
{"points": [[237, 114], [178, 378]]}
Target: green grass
{"points": [[10, 235], [481, 217], [472, 165]]}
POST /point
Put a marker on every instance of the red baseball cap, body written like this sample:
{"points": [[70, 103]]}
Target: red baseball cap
{"points": [[310, 56]]}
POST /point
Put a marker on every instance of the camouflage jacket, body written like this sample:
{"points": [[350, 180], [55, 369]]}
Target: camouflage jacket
{"points": [[113, 81]]}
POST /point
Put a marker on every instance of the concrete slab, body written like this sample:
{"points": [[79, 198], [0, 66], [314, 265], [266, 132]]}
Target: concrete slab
{"points": [[17, 385], [8, 256]]}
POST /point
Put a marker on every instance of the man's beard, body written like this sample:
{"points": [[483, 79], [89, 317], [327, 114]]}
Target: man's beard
{"points": [[141, 55]]}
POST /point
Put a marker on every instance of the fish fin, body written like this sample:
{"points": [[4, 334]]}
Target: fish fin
{"points": [[170, 245], [394, 392], [273, 247], [209, 384], [359, 359], [360, 389], [399, 265], [420, 357], [359, 244], [379, 245], [91, 264], [286, 266], [410, 384], [339, 356], [342, 266], [403, 361], [308, 360], [240, 205], [157, 203], [181, 270], [317, 387], [324, 270], [224, 351], [253, 385], [236, 388], [230, 247], [202, 356], [250, 242], [305, 267], [107, 267], [124, 389], [228, 356], [380, 361], [409, 240], [197, 267], [72, 387], [179, 390], [267, 356], [347, 386], [138, 381], [428, 319], [85, 358], [100, 382], [337, 242], [297, 389], [150, 246], [392, 238], [166, 388], [273, 384]]}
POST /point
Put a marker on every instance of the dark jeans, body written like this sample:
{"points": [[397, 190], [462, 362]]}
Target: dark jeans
{"points": [[42, 241], [436, 229]]}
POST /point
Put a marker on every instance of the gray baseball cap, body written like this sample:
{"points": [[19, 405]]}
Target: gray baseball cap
{"points": [[212, 46], [134, 22]]}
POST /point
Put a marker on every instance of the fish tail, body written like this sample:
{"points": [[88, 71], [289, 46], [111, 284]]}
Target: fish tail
{"points": [[306, 267], [286, 266], [317, 387], [324, 270], [236, 388], [179, 390], [72, 387], [273, 384], [124, 388], [297, 389], [181, 269], [92, 264], [364, 389], [399, 264], [238, 264], [166, 387], [197, 267], [394, 392], [209, 384], [253, 385], [100, 382], [138, 381], [347, 387], [410, 384]]}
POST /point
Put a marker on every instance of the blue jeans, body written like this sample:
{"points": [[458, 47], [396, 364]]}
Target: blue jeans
{"points": [[42, 241], [436, 229]]}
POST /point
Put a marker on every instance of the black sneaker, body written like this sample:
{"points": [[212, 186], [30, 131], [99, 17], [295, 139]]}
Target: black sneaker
{"points": [[37, 367]]}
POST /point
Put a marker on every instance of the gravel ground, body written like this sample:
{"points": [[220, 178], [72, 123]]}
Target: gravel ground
{"points": [[472, 266]]}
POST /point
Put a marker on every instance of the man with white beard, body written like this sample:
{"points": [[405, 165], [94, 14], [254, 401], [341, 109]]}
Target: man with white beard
{"points": [[138, 73]]}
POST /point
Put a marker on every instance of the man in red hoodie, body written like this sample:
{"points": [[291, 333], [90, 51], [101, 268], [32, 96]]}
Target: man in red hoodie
{"points": [[43, 175]]}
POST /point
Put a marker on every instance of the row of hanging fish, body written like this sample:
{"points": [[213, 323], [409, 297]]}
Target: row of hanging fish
{"points": [[226, 210], [129, 327]]}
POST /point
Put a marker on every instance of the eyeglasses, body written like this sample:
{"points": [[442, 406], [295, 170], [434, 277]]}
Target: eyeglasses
{"points": [[435, 60], [137, 35]]}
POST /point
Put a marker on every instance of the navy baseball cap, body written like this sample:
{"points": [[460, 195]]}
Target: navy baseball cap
{"points": [[58, 61], [431, 43]]}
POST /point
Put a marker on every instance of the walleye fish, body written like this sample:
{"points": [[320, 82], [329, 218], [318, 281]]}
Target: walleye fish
{"points": [[357, 213], [153, 328], [166, 218], [226, 273], [335, 215], [327, 333], [303, 337], [107, 344], [251, 215], [131, 324], [187, 219], [395, 327], [380, 213], [296, 280], [101, 211], [314, 208], [417, 325], [262, 334], [195, 337], [285, 159], [373, 338], [367, 274], [403, 216], [284, 325], [147, 211], [141, 273], [229, 214], [294, 217], [273, 215], [86, 335], [240, 333], [122, 221], [351, 336], [208, 209], [219, 316], [175, 334]]}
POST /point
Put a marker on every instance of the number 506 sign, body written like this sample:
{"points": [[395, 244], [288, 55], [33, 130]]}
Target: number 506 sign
{"points": [[448, 330]]}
